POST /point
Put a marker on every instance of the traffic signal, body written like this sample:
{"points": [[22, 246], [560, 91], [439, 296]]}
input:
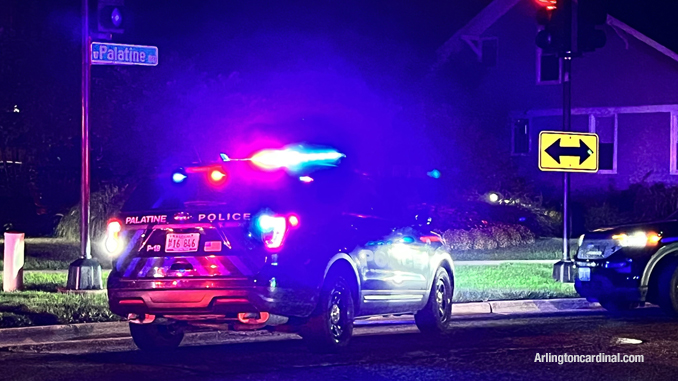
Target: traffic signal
{"points": [[591, 14], [551, 15], [111, 16]]}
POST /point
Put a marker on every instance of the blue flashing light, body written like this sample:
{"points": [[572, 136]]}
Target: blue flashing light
{"points": [[407, 240], [434, 173], [295, 158], [178, 177], [224, 157]]}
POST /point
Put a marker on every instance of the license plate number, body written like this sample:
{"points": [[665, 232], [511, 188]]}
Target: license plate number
{"points": [[584, 274], [182, 243]]}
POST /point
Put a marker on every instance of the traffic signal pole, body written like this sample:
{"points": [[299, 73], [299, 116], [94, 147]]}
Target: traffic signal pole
{"points": [[85, 272], [569, 28], [563, 270]]}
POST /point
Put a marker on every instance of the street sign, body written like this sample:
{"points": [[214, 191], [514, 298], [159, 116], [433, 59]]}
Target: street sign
{"points": [[568, 151], [123, 54]]}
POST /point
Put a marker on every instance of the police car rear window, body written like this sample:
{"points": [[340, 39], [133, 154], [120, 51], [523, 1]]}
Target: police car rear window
{"points": [[160, 194]]}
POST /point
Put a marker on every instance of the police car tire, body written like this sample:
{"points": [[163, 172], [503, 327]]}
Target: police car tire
{"points": [[667, 289], [318, 330], [155, 337], [430, 320]]}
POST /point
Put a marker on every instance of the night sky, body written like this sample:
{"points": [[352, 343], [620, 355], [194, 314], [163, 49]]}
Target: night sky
{"points": [[358, 65]]}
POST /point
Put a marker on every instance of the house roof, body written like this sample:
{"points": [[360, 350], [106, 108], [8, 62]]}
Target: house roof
{"points": [[498, 8]]}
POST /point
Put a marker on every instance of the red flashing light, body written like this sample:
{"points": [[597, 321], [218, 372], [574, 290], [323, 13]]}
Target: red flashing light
{"points": [[217, 176], [430, 238], [549, 4]]}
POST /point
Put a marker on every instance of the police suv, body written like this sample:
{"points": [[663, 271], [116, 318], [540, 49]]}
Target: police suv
{"points": [[626, 266], [250, 244]]}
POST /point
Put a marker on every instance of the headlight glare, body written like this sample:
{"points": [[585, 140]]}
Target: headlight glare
{"points": [[637, 239]]}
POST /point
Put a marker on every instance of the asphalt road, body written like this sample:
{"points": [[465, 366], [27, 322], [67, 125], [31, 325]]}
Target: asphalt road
{"points": [[475, 349]]}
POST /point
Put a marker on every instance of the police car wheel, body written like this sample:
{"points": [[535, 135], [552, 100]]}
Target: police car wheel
{"points": [[667, 289], [331, 326], [156, 337], [617, 307], [436, 315]]}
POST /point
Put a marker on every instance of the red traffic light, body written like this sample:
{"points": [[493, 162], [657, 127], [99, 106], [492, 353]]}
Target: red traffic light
{"points": [[549, 4]]}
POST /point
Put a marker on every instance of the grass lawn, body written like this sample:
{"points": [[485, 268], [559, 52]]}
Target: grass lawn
{"points": [[42, 305], [508, 281], [57, 254], [52, 254], [543, 248]]}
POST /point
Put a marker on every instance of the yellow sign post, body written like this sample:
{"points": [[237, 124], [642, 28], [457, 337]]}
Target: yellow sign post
{"points": [[568, 151]]}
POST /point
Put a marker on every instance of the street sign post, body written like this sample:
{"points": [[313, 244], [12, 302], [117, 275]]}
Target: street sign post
{"points": [[85, 272], [568, 151], [123, 54]]}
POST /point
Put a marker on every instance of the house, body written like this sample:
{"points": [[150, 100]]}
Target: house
{"points": [[625, 92]]}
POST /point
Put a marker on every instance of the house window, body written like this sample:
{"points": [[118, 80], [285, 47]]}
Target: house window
{"points": [[606, 128], [521, 137], [549, 68]]}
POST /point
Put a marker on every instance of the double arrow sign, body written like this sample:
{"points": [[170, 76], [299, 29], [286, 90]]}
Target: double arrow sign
{"points": [[568, 151]]}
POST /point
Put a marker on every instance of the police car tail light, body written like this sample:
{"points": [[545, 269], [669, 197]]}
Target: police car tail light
{"points": [[273, 229], [113, 242]]}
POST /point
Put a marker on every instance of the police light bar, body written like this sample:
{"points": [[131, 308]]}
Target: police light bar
{"points": [[292, 158]]}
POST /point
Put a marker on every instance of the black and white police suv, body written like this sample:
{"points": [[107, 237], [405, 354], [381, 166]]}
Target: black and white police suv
{"points": [[248, 244], [626, 266]]}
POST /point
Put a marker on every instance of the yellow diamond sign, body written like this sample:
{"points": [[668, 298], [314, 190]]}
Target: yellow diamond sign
{"points": [[568, 151]]}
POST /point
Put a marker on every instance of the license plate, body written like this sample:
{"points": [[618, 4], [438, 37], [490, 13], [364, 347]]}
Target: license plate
{"points": [[584, 274], [182, 243]]}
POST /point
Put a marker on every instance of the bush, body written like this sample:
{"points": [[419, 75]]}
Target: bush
{"points": [[526, 235], [641, 202], [514, 235], [603, 216], [500, 235], [482, 240], [103, 205], [458, 239]]}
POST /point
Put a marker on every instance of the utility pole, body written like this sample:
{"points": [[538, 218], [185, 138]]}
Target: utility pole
{"points": [[85, 272]]}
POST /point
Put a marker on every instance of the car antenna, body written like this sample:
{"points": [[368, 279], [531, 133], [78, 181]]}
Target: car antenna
{"points": [[196, 154]]}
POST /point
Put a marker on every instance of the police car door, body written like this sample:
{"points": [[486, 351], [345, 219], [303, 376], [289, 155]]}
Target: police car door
{"points": [[394, 272]]}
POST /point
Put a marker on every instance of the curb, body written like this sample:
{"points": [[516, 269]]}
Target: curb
{"points": [[54, 334], [498, 262], [61, 333]]}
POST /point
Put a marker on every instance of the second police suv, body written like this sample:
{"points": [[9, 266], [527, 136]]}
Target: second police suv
{"points": [[264, 243], [627, 266]]}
